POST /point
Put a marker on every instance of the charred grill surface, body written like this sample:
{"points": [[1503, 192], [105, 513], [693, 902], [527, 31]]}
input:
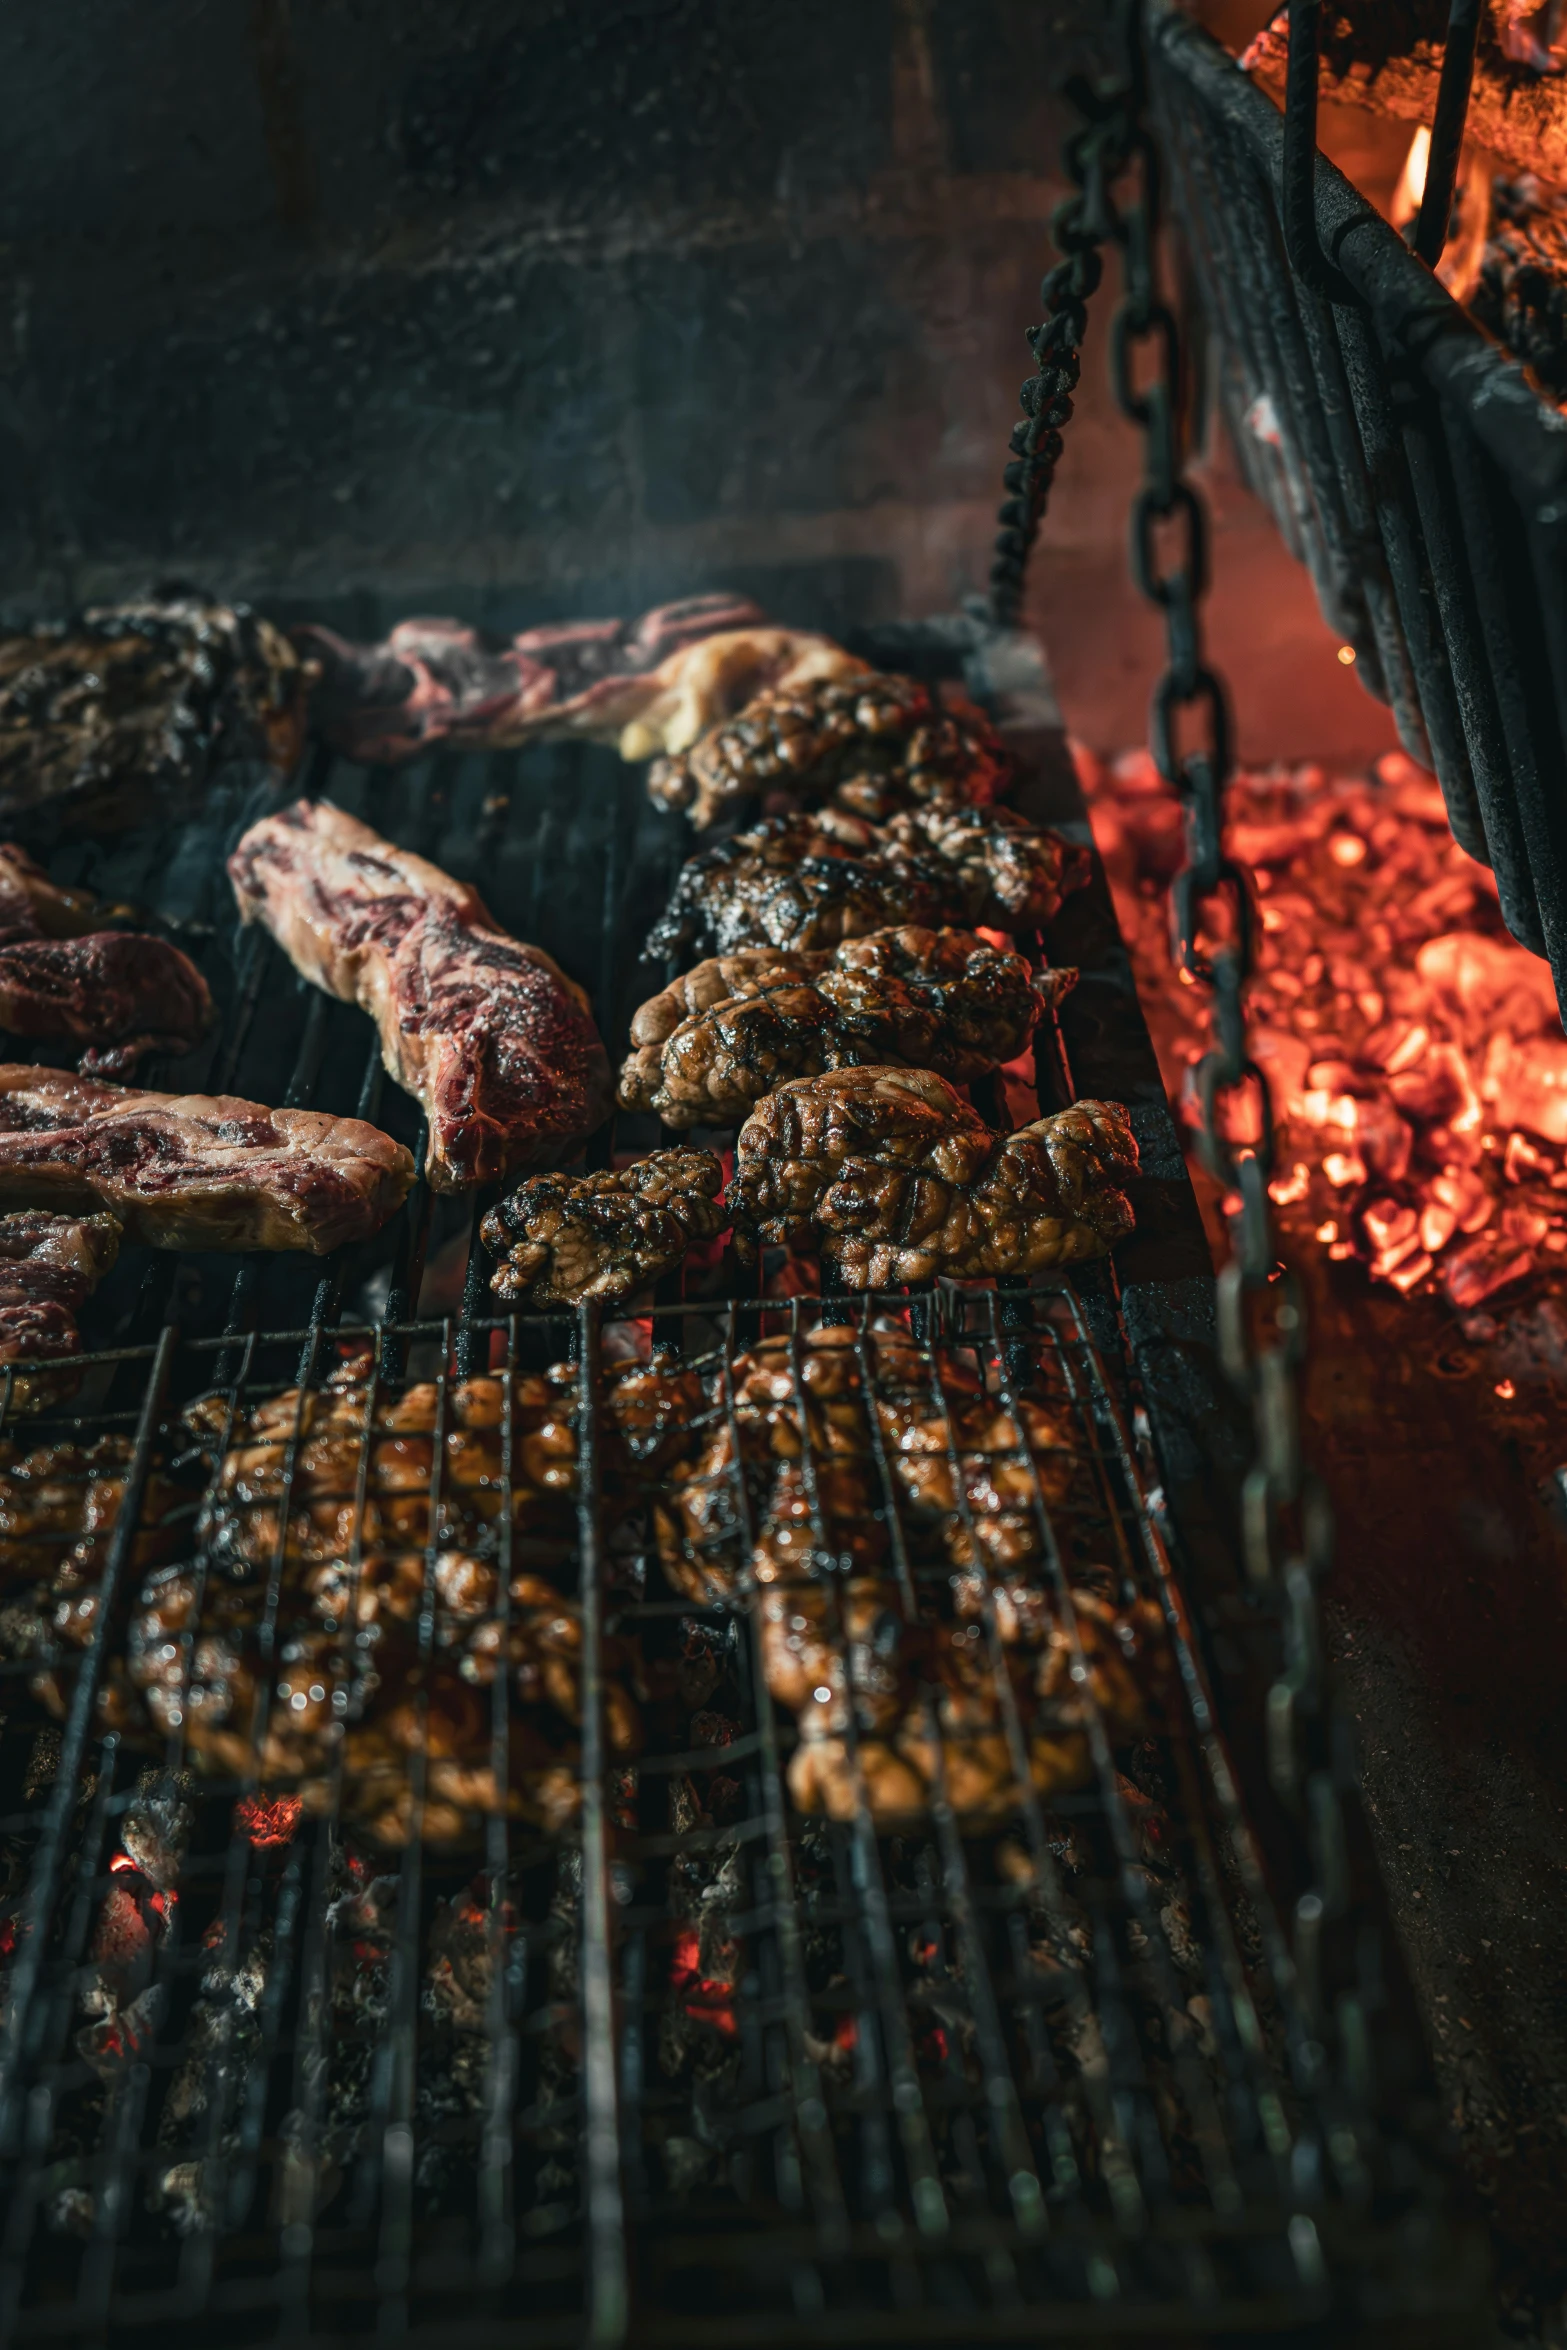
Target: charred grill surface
{"points": [[333, 2011], [872, 745], [935, 999]]}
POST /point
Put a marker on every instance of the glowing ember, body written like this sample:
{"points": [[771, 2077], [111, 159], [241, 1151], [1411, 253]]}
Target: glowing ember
{"points": [[1414, 1053], [268, 1820], [705, 2000]]}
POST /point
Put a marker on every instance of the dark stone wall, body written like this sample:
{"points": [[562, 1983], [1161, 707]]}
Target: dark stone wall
{"points": [[516, 307]]}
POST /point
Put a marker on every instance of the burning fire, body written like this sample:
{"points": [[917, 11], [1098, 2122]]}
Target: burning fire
{"points": [[1414, 1054], [1464, 250]]}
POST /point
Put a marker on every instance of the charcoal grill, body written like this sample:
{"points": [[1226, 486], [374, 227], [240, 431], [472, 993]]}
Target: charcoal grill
{"points": [[1112, 2080], [1415, 469]]}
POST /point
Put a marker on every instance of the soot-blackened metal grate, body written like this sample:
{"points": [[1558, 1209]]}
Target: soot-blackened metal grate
{"points": [[685, 2061]]}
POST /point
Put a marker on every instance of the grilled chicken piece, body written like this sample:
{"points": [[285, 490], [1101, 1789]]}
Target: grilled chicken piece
{"points": [[805, 882], [653, 685], [119, 993], [31, 906], [900, 1181], [125, 715], [844, 1658], [936, 999], [872, 744], [204, 1171], [996, 1484], [489, 1036], [562, 1238], [49, 1267]]}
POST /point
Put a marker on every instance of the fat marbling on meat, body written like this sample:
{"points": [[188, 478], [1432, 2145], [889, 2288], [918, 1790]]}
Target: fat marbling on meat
{"points": [[204, 1171], [489, 1035]]}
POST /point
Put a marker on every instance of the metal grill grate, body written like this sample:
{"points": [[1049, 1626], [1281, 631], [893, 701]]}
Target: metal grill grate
{"points": [[693, 2061]]}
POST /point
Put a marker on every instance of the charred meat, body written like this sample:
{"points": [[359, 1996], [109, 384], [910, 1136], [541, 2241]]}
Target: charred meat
{"points": [[118, 994], [125, 715], [203, 1171], [936, 999], [491, 1038], [871, 744], [900, 1181], [49, 1267], [651, 685], [809, 881], [561, 1238]]}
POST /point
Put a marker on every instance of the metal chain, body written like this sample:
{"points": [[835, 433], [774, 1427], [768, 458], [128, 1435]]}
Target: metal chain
{"points": [[1287, 1524], [1286, 1521], [1080, 225]]}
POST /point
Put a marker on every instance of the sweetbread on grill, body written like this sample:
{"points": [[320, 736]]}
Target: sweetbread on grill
{"points": [[872, 744], [806, 882], [563, 1238], [939, 999], [900, 1180]]}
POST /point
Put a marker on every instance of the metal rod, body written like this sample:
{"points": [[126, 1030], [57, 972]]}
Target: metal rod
{"points": [[608, 2290], [1447, 130]]}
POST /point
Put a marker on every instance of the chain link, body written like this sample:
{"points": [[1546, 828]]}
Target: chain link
{"points": [[1081, 226]]}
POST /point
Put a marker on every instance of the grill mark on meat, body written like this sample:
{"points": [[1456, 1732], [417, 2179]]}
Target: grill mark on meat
{"points": [[487, 1033], [196, 1170]]}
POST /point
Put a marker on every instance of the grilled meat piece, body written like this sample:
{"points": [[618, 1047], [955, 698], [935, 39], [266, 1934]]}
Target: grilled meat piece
{"points": [[365, 1555], [952, 1462], [313, 1446], [125, 715], [936, 999], [872, 744], [118, 993], [653, 685], [845, 1660], [49, 1266], [31, 906], [205, 1171], [562, 1238], [804, 882], [489, 1036], [901, 1181]]}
